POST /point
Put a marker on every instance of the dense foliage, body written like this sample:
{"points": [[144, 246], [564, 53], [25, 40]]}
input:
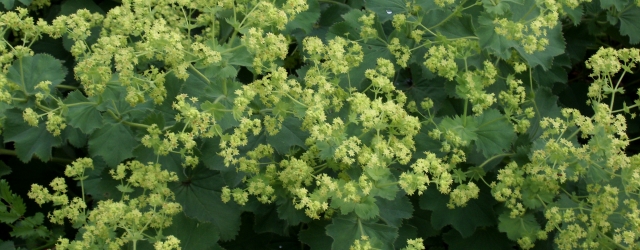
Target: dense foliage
{"points": [[321, 124]]}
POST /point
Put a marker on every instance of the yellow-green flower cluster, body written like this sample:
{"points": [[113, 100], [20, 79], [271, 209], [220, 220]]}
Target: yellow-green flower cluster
{"points": [[367, 31], [511, 100], [415, 244], [266, 48], [134, 216], [532, 33], [229, 144]]}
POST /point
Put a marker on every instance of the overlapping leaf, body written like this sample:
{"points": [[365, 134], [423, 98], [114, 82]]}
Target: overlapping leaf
{"points": [[346, 230], [29, 141], [114, 142], [199, 194], [28, 71]]}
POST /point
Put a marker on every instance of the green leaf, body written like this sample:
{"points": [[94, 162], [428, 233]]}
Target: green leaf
{"points": [[315, 235], [545, 104], [490, 40], [4, 169], [69, 7], [406, 232], [477, 213], [31, 70], [192, 233], [498, 7], [28, 140], [114, 142], [289, 135], [544, 58], [386, 9], [14, 208], [288, 212], [494, 133], [619, 4], [457, 27], [268, 221], [9, 4], [30, 227], [305, 20], [367, 208], [346, 230], [516, 228], [533, 192], [488, 238], [199, 194], [465, 129], [82, 113], [7, 245], [629, 25], [393, 212]]}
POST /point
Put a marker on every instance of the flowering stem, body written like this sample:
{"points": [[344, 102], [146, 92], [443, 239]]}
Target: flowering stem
{"points": [[613, 95]]}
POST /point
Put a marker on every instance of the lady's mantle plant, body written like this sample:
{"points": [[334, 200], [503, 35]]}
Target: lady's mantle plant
{"points": [[375, 124]]}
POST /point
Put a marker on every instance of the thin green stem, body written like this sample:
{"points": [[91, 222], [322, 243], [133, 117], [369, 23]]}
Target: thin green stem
{"points": [[131, 124], [493, 158], [62, 86], [613, 95], [455, 13]]}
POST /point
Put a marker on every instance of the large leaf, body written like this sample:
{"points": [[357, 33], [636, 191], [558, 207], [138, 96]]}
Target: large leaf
{"points": [[82, 113], [516, 228], [494, 133], [315, 235], [14, 209], [386, 9], [305, 20], [199, 194], [545, 104], [477, 213], [346, 230], [629, 24], [393, 212], [289, 135], [28, 140], [487, 238], [192, 233], [28, 71], [9, 4], [113, 141], [545, 57]]}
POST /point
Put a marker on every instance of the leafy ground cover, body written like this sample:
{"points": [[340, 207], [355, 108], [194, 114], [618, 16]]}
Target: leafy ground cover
{"points": [[319, 124]]}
